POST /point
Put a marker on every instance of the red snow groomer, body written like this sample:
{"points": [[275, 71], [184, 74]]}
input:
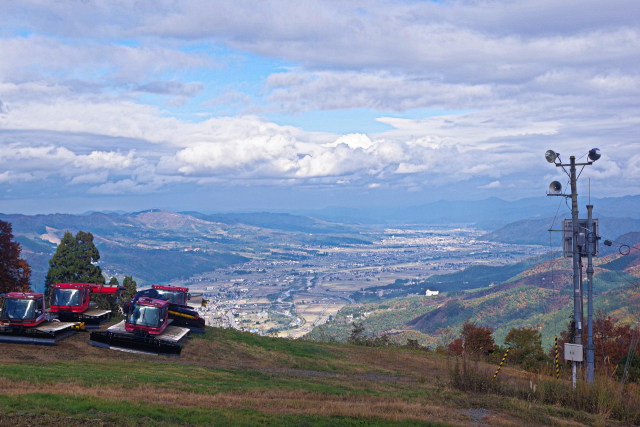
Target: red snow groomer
{"points": [[23, 319], [179, 310], [146, 329], [149, 316], [174, 294], [70, 302]]}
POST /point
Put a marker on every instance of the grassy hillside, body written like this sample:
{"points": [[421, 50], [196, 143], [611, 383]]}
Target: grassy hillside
{"points": [[230, 378], [474, 277]]}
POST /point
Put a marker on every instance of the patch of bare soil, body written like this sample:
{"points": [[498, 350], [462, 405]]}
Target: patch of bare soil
{"points": [[75, 347], [19, 419]]}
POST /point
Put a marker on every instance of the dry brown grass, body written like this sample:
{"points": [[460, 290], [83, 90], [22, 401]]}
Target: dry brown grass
{"points": [[390, 384], [269, 401]]}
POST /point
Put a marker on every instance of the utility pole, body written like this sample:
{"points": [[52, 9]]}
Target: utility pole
{"points": [[581, 244], [577, 288], [591, 239], [577, 285]]}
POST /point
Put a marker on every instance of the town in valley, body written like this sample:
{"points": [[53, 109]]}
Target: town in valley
{"points": [[289, 297]]}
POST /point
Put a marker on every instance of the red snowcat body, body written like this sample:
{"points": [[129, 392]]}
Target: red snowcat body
{"points": [[174, 294], [180, 311], [70, 302], [146, 329], [148, 316], [23, 319]]}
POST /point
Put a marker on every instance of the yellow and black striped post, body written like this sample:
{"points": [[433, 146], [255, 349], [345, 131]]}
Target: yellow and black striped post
{"points": [[501, 362], [557, 366]]}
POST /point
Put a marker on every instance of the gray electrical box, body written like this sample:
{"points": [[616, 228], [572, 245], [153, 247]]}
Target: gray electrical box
{"points": [[573, 352], [587, 238]]}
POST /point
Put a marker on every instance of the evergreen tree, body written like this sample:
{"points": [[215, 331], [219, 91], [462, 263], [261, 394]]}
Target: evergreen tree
{"points": [[106, 302], [357, 333], [74, 262], [14, 271], [130, 289]]}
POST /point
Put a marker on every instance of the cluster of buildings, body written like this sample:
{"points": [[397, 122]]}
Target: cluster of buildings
{"points": [[283, 295]]}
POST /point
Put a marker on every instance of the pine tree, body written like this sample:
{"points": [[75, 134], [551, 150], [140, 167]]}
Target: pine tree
{"points": [[357, 333], [106, 302], [74, 262], [130, 289], [14, 271]]}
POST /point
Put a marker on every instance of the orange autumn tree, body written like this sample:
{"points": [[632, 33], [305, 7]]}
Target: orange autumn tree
{"points": [[474, 340], [15, 273], [611, 340]]}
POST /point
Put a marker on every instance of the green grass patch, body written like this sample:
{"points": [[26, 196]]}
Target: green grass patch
{"points": [[181, 378], [123, 412], [295, 348]]}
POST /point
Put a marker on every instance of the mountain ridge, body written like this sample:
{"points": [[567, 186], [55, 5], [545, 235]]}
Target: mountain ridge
{"points": [[487, 214], [158, 245]]}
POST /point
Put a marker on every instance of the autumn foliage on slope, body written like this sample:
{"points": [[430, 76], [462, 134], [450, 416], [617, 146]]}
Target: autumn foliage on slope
{"points": [[612, 341]]}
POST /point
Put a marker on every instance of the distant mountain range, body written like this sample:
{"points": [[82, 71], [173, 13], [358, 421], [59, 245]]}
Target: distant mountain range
{"points": [[159, 246], [525, 221], [276, 221], [536, 231], [487, 214], [162, 246]]}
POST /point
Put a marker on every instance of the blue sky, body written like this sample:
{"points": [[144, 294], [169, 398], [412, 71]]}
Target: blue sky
{"points": [[254, 105]]}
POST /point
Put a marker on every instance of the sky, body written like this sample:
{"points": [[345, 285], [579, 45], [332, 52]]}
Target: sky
{"points": [[242, 105]]}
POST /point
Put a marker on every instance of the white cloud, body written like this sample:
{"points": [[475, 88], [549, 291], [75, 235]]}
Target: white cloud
{"points": [[90, 178], [493, 184], [171, 88], [277, 152], [125, 186], [125, 94], [106, 160], [9, 177], [353, 141], [337, 161], [117, 118], [630, 171], [381, 90]]}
